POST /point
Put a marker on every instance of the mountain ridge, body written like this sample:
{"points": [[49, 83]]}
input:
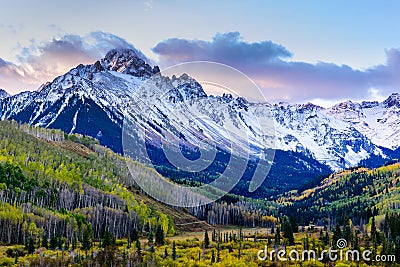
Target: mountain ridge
{"points": [[93, 99]]}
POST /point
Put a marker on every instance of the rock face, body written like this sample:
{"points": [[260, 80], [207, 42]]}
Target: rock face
{"points": [[3, 94], [127, 62], [93, 100], [379, 122]]}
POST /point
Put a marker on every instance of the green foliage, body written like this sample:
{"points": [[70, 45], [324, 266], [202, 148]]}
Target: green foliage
{"points": [[42, 171], [206, 240], [45, 242], [108, 240], [288, 231], [87, 238], [31, 245], [159, 236], [174, 251]]}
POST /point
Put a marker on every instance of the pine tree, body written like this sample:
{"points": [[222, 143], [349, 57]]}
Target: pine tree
{"points": [[150, 238], [356, 243], [287, 231], [206, 240], [173, 251], [212, 257], [346, 230], [31, 245], [133, 235], [138, 248], [337, 234], [326, 239], [213, 237], [277, 237], [108, 239], [218, 253], [293, 224], [159, 236], [374, 235], [45, 243], [87, 238], [54, 242]]}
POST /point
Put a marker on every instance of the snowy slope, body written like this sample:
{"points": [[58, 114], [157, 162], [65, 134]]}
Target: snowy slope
{"points": [[95, 99], [380, 122], [307, 129]]}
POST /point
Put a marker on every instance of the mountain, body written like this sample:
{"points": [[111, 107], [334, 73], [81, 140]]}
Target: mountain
{"points": [[308, 129], [3, 94], [380, 122], [94, 100]]}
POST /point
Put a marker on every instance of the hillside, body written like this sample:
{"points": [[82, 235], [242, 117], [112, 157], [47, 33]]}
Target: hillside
{"points": [[356, 194], [58, 184]]}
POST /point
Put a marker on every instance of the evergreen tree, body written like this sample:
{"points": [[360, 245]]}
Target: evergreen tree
{"points": [[31, 245], [173, 251], [206, 240], [138, 248], [54, 242], [287, 231], [218, 253], [347, 230], [326, 239], [213, 237], [212, 257], [356, 243], [293, 224], [108, 240], [374, 233], [337, 234], [45, 243], [159, 236], [277, 237], [150, 238], [134, 235], [87, 238]]}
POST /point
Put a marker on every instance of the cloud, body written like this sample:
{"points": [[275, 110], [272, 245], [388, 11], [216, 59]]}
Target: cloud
{"points": [[280, 78], [228, 48], [43, 62], [269, 64]]}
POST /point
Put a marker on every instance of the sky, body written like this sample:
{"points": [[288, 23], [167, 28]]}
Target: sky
{"points": [[295, 51]]}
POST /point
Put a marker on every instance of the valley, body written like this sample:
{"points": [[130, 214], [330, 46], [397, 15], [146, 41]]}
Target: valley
{"points": [[69, 192]]}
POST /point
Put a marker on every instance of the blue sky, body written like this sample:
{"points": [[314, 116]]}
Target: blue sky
{"points": [[324, 51]]}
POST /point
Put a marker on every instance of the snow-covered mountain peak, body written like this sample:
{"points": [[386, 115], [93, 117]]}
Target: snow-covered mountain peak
{"points": [[128, 62], [392, 100], [188, 87], [347, 105], [310, 106], [3, 94], [348, 111], [380, 122]]}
